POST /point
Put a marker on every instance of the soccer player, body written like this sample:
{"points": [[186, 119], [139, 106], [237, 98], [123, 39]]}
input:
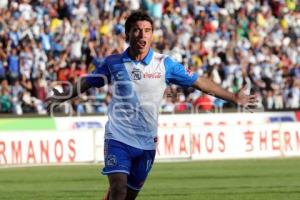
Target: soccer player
{"points": [[139, 77]]}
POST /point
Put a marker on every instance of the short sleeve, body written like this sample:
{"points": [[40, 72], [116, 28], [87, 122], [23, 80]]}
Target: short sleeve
{"points": [[100, 75], [177, 74]]}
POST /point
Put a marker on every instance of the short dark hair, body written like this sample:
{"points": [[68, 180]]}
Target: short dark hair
{"points": [[138, 15]]}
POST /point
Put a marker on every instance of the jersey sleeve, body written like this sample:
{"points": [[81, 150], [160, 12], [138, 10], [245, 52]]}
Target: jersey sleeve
{"points": [[177, 74], [100, 75]]}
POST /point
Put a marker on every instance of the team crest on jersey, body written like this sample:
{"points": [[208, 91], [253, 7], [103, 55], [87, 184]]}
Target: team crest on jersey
{"points": [[136, 74], [120, 75], [111, 160]]}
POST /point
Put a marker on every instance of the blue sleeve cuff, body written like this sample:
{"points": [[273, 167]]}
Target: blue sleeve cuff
{"points": [[176, 73]]}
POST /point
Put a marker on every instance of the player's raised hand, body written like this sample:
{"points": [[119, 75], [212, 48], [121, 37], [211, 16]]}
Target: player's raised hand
{"points": [[244, 100]]}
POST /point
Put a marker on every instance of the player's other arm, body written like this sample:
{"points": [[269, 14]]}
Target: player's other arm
{"points": [[98, 78], [59, 97], [177, 74], [240, 98]]}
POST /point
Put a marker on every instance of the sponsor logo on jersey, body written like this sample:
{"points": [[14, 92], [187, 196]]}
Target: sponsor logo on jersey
{"points": [[154, 75]]}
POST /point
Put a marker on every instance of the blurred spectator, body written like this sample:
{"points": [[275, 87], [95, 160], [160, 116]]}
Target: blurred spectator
{"points": [[3, 4], [5, 98], [203, 103], [13, 65], [181, 106], [167, 106], [5, 101], [17, 93], [2, 61]]}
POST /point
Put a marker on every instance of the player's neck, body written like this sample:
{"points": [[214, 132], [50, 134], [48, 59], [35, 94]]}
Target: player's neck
{"points": [[137, 56]]}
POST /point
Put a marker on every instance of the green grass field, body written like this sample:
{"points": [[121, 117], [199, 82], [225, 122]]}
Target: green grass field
{"points": [[274, 179]]}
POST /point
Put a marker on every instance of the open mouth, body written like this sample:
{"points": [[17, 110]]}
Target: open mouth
{"points": [[141, 43]]}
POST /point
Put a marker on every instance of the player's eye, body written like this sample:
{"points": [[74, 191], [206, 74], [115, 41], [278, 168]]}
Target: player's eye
{"points": [[136, 30]]}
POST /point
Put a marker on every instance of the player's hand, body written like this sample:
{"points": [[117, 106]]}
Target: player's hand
{"points": [[246, 101], [53, 101]]}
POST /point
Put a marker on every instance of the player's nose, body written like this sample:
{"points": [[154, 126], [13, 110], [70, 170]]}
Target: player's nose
{"points": [[142, 34]]}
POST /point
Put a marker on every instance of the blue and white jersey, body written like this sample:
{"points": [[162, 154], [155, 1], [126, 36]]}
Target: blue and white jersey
{"points": [[138, 89]]}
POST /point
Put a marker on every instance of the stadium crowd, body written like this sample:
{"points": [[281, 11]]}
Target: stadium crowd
{"points": [[234, 42]]}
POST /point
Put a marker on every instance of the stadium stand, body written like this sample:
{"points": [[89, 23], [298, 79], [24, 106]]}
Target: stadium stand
{"points": [[233, 42]]}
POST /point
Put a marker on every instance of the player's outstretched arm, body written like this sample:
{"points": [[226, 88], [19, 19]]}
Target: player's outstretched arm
{"points": [[240, 98], [60, 97]]}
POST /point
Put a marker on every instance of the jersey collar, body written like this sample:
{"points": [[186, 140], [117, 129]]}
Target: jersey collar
{"points": [[145, 61]]}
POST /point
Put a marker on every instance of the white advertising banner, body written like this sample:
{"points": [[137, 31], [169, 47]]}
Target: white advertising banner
{"points": [[99, 145], [230, 142], [290, 139], [44, 147], [173, 143], [75, 123], [236, 142]]}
